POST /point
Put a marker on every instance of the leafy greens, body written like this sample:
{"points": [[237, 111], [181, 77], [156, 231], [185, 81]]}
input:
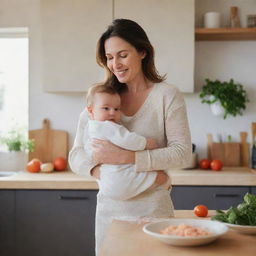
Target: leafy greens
{"points": [[243, 214]]}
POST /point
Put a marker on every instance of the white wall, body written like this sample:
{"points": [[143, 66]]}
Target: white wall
{"points": [[222, 60]]}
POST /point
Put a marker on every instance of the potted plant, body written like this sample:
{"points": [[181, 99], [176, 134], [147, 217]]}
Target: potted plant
{"points": [[17, 146], [225, 98]]}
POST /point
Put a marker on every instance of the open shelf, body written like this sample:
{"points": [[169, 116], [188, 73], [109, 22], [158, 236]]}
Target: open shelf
{"points": [[219, 34]]}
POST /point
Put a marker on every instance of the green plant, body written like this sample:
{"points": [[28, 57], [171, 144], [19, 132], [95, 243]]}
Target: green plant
{"points": [[243, 214], [232, 96], [16, 141]]}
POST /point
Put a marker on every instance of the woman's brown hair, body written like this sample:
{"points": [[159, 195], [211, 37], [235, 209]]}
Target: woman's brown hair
{"points": [[134, 34]]}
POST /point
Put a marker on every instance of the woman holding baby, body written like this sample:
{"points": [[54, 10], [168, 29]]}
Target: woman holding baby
{"points": [[149, 107]]}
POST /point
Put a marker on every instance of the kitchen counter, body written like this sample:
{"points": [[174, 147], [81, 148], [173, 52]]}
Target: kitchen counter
{"points": [[127, 239], [236, 176]]}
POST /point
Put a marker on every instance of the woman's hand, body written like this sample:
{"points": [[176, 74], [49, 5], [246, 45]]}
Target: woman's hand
{"points": [[105, 152], [95, 172]]}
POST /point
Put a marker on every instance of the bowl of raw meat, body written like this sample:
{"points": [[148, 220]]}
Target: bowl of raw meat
{"points": [[185, 232]]}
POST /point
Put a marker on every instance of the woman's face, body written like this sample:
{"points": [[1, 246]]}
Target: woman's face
{"points": [[123, 60]]}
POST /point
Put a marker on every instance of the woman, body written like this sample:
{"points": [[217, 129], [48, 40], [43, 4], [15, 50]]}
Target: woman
{"points": [[150, 108]]}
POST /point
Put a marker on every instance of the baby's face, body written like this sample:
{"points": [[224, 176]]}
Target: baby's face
{"points": [[106, 107]]}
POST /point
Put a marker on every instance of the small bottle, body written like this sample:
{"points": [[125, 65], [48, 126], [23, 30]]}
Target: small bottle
{"points": [[234, 18]]}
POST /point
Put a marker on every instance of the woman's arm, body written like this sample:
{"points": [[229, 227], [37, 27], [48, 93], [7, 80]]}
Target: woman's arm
{"points": [[178, 151], [80, 160]]}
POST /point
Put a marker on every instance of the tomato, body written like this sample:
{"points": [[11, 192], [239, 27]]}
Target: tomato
{"points": [[34, 165], [201, 210], [204, 164], [216, 165], [60, 163]]}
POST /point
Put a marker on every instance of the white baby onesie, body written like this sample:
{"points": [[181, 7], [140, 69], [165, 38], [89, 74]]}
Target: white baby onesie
{"points": [[120, 182]]}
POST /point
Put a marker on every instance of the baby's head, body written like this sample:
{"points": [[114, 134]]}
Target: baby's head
{"points": [[103, 103]]}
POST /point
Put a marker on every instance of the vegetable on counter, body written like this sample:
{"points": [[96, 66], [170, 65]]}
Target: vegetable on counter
{"points": [[243, 214], [201, 210]]}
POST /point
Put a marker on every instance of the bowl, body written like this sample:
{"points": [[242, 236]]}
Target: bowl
{"points": [[216, 229], [245, 229]]}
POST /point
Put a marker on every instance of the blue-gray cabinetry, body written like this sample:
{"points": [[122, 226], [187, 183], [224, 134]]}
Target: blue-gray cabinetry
{"points": [[54, 223], [214, 197], [47, 222], [7, 222]]}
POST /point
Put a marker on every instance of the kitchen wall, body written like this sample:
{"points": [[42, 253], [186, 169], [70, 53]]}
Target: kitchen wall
{"points": [[214, 60]]}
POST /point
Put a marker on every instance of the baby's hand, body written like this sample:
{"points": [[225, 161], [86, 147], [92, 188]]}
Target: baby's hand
{"points": [[151, 144]]}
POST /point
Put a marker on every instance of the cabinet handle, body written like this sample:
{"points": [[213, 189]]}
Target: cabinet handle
{"points": [[226, 195], [73, 198]]}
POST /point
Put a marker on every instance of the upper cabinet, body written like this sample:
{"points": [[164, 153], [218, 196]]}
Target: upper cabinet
{"points": [[70, 30], [170, 28]]}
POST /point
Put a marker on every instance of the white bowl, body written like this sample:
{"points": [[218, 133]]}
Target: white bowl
{"points": [[216, 229], [250, 230]]}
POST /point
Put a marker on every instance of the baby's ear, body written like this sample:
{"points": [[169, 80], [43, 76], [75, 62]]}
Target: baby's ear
{"points": [[89, 109]]}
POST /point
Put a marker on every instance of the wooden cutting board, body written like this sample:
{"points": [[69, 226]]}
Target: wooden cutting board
{"points": [[245, 151], [49, 143]]}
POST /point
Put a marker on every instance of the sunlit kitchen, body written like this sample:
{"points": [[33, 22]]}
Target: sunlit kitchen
{"points": [[205, 51]]}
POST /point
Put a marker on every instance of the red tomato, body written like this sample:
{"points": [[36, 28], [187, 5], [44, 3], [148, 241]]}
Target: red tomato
{"points": [[204, 164], [201, 210], [216, 165], [33, 166], [60, 163]]}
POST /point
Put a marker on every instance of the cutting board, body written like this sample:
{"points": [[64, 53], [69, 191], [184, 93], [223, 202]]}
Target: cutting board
{"points": [[49, 143], [245, 151]]}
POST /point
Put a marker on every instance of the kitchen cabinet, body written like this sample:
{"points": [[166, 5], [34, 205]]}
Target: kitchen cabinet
{"points": [[7, 222], [170, 28], [51, 223], [214, 197], [253, 190], [70, 30]]}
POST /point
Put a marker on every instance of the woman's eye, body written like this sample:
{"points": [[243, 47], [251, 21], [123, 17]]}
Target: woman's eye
{"points": [[117, 109], [123, 56], [106, 108], [109, 58]]}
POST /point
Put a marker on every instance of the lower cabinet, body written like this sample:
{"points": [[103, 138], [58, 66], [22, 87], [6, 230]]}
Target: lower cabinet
{"points": [[50, 223], [7, 222], [253, 190], [214, 197]]}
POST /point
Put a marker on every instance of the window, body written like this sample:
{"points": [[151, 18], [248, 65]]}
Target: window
{"points": [[13, 81]]}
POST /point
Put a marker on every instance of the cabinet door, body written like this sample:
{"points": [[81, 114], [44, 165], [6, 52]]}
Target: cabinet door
{"points": [[187, 197], [7, 222], [170, 28], [55, 222], [70, 30], [253, 190]]}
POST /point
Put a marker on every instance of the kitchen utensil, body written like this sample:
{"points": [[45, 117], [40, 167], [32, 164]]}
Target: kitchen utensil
{"points": [[209, 145], [253, 159], [216, 229], [49, 143], [217, 152], [244, 146], [234, 18], [232, 154]]}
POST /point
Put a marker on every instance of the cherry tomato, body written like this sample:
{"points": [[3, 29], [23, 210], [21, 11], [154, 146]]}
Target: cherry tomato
{"points": [[60, 163], [216, 165], [204, 164], [201, 210], [34, 166]]}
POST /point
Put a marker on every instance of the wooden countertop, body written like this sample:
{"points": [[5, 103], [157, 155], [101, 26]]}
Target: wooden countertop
{"points": [[238, 176], [128, 239]]}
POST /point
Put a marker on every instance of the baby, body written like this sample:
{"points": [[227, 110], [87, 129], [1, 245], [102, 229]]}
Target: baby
{"points": [[119, 182]]}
